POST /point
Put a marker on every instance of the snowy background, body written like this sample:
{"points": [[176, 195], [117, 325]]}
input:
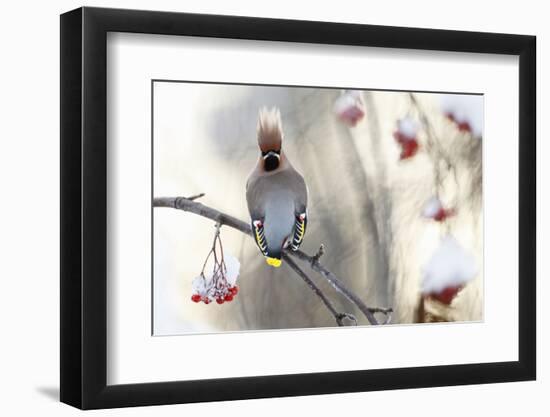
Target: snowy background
{"points": [[400, 214]]}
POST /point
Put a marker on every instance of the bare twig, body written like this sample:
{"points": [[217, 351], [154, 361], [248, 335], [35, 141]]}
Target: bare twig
{"points": [[434, 146], [182, 203], [337, 316], [319, 253], [196, 196], [191, 206], [338, 285], [432, 137]]}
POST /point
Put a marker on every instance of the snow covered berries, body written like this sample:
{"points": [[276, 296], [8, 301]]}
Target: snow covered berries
{"points": [[448, 270], [406, 136], [433, 209], [218, 284], [349, 107], [465, 111]]}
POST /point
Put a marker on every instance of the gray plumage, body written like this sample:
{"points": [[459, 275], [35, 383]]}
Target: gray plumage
{"points": [[276, 193]]}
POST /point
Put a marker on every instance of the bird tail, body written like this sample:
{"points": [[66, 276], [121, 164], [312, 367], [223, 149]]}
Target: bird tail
{"points": [[274, 262]]}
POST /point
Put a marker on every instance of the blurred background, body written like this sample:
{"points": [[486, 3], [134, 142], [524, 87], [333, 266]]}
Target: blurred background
{"points": [[390, 176]]}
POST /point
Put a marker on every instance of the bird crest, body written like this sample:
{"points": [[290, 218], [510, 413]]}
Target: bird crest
{"points": [[269, 129]]}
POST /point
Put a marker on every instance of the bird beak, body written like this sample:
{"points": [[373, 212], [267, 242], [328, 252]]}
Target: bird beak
{"points": [[274, 262]]}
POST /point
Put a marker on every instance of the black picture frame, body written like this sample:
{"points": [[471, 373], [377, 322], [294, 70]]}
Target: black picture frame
{"points": [[84, 207]]}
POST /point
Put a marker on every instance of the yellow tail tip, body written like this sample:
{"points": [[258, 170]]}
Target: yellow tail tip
{"points": [[273, 262]]}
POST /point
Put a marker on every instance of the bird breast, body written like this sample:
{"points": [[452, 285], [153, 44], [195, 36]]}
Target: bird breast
{"points": [[279, 219]]}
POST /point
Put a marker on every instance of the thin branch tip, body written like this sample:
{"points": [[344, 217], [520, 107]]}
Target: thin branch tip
{"points": [[346, 316], [196, 196], [320, 252]]}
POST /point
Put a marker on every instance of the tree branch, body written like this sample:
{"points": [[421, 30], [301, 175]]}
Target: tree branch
{"points": [[339, 317], [186, 204], [338, 285]]}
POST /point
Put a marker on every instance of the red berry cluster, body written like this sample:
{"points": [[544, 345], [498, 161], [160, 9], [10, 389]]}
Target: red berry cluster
{"points": [[220, 298], [409, 145], [232, 292], [447, 295], [352, 115], [350, 107], [462, 126], [442, 214]]}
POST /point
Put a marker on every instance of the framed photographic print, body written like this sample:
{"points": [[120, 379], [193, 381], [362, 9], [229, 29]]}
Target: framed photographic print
{"points": [[256, 207]]}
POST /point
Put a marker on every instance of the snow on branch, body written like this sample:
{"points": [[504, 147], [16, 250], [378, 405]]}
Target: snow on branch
{"points": [[191, 206]]}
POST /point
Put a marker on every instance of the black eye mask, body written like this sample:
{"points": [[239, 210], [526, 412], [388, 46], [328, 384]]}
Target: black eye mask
{"points": [[274, 151], [271, 161]]}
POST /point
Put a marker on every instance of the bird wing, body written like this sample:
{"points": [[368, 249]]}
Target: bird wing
{"points": [[299, 189], [299, 230], [300, 192], [259, 235], [257, 213]]}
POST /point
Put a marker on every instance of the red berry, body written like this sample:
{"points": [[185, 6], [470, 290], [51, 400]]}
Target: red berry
{"points": [[401, 138], [234, 290], [352, 115], [440, 215], [196, 298], [443, 214], [447, 295], [229, 297], [408, 149], [219, 300], [409, 145], [464, 127], [206, 300]]}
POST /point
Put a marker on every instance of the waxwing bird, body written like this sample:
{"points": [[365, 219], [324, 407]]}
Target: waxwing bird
{"points": [[276, 193]]}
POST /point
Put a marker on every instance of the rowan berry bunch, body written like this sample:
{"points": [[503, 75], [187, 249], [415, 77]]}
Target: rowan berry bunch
{"points": [[217, 283]]}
